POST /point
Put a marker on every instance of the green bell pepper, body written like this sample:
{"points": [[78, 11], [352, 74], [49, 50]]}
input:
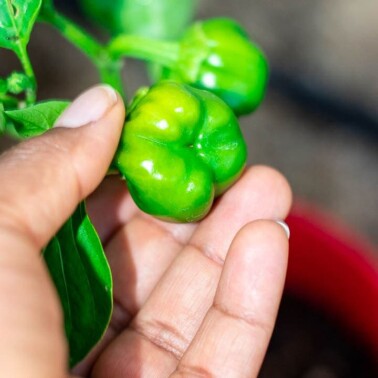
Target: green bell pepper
{"points": [[180, 148], [218, 55]]}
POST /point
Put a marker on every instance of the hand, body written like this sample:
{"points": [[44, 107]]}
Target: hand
{"points": [[190, 299]]}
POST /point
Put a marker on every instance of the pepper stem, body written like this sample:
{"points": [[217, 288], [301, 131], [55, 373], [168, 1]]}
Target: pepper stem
{"points": [[165, 53]]}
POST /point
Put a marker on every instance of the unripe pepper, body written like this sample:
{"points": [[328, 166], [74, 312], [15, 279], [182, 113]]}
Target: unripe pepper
{"points": [[218, 55], [180, 148]]}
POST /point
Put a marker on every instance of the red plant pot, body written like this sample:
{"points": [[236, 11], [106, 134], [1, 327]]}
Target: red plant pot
{"points": [[334, 270]]}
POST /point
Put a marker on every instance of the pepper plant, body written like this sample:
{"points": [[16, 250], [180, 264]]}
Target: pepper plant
{"points": [[181, 145]]}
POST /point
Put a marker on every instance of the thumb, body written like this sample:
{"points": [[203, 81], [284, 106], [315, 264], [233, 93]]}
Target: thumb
{"points": [[43, 179]]}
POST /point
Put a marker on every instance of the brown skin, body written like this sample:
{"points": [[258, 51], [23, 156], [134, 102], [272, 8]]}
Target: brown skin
{"points": [[190, 299]]}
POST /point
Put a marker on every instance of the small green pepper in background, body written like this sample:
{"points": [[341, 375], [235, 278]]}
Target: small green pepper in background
{"points": [[217, 55], [180, 148]]}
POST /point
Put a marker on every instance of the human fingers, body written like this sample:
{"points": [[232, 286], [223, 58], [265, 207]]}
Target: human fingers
{"points": [[235, 333], [174, 310], [42, 180]]}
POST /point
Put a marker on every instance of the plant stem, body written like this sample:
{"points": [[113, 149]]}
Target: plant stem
{"points": [[74, 34], [162, 52], [110, 73], [109, 68], [28, 68]]}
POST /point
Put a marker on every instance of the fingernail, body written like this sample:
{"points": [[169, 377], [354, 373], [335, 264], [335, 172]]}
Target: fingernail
{"points": [[89, 107], [285, 227]]}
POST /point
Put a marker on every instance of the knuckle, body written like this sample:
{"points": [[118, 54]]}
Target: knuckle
{"points": [[191, 371], [163, 335], [249, 320]]}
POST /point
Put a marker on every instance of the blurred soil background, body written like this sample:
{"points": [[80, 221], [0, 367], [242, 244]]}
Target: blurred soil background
{"points": [[318, 126]]}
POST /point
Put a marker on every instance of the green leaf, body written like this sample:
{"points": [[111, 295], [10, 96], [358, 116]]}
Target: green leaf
{"points": [[80, 271], [157, 18], [36, 119], [17, 18]]}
